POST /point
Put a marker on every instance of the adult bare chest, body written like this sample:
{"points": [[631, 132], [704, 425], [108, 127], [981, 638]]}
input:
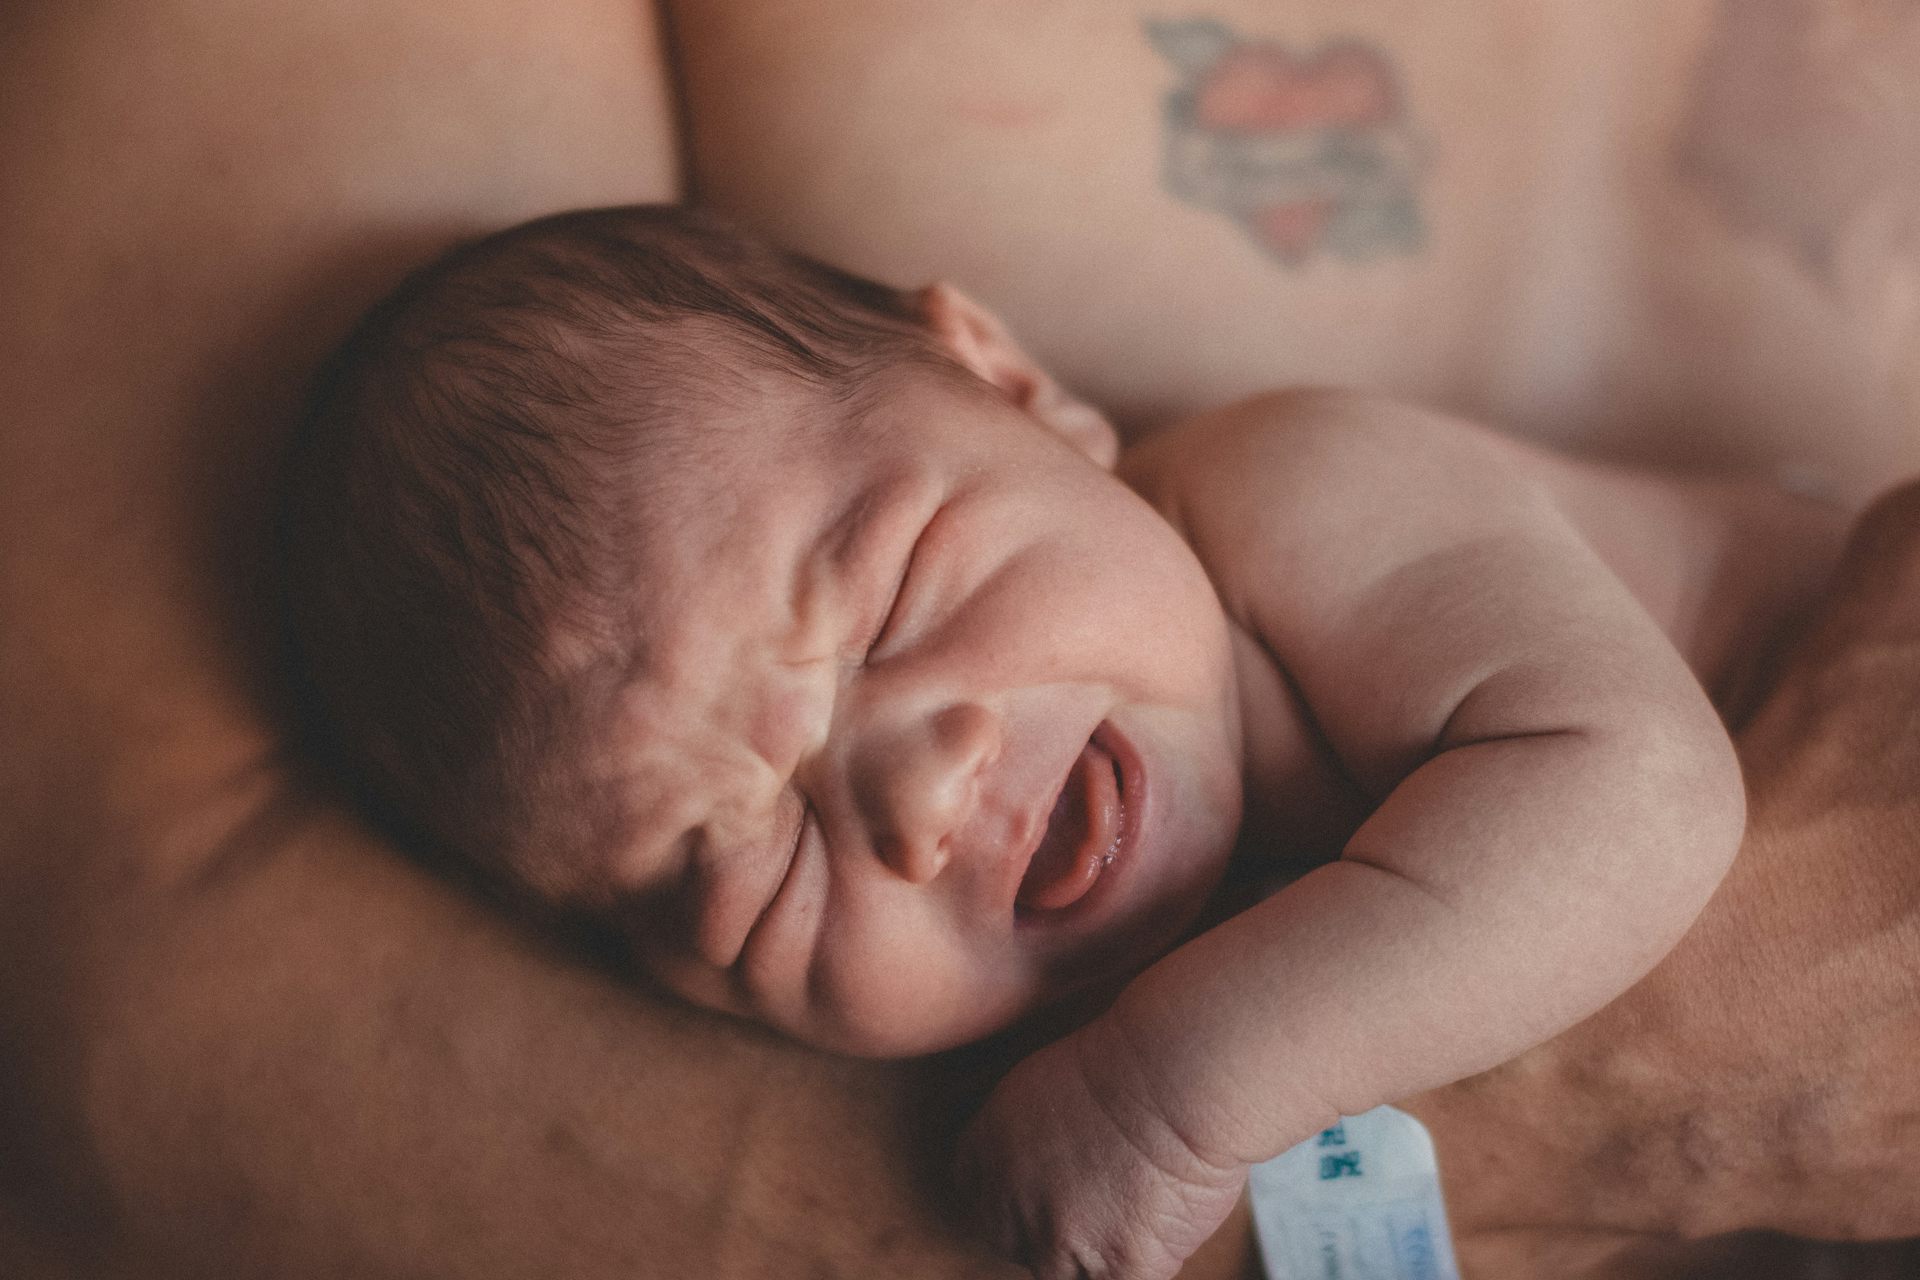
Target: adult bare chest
{"points": [[1567, 218]]}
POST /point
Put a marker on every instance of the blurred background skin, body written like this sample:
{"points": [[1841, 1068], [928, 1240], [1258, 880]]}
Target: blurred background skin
{"points": [[242, 1037]]}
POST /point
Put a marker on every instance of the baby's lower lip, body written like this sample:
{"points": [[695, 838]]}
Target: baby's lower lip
{"points": [[1082, 834]]}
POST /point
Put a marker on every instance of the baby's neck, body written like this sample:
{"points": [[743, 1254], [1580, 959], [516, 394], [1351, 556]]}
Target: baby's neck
{"points": [[1299, 798]]}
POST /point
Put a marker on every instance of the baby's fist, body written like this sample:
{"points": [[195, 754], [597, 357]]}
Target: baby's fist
{"points": [[1073, 1169]]}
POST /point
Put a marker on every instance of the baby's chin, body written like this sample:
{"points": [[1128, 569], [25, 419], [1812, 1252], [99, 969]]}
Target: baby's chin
{"points": [[1056, 1014], [1071, 997], [1029, 1028], [1059, 1005], [887, 1044]]}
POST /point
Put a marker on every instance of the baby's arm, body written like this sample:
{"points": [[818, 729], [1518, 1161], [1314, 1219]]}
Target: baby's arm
{"points": [[1557, 801], [1559, 797]]}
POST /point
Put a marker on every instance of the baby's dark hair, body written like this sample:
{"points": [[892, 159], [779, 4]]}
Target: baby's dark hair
{"points": [[469, 484]]}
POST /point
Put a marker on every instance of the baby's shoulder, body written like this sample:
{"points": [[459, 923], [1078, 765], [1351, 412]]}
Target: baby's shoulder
{"points": [[1310, 483], [1324, 448]]}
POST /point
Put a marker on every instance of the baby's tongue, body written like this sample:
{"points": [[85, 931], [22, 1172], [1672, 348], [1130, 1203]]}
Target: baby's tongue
{"points": [[1085, 821]]}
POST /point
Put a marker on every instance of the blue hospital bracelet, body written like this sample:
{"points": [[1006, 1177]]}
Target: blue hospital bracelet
{"points": [[1359, 1202]]}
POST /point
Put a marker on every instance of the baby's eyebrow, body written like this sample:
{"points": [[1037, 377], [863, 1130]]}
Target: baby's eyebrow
{"points": [[847, 547], [849, 537]]}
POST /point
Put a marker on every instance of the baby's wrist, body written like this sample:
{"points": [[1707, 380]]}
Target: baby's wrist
{"points": [[1141, 1057], [1239, 1098]]}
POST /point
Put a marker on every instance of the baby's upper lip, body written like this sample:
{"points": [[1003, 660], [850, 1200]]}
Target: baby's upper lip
{"points": [[1025, 840]]}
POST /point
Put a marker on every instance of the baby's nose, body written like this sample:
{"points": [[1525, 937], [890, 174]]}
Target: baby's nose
{"points": [[931, 786]]}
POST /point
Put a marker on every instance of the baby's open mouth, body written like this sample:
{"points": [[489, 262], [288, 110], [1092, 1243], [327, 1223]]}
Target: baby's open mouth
{"points": [[1082, 834]]}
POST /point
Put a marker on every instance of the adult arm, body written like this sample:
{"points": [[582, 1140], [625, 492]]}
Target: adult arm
{"points": [[1760, 1080], [241, 1035]]}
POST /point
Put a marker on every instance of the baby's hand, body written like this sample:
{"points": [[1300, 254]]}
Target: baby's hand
{"points": [[1074, 1169]]}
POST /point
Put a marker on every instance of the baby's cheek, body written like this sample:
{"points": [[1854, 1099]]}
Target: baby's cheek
{"points": [[904, 992]]}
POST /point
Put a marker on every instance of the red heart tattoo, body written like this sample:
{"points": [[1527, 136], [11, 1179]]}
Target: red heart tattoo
{"points": [[1306, 151], [1264, 88]]}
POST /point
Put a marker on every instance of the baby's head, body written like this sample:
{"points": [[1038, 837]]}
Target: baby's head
{"points": [[793, 624]]}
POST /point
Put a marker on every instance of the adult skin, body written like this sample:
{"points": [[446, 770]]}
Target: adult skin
{"points": [[245, 1038]]}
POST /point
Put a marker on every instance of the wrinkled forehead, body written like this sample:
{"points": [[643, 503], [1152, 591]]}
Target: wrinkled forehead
{"points": [[734, 585], [762, 497], [721, 524]]}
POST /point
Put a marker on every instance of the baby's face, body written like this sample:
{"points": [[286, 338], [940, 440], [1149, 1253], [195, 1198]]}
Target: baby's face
{"points": [[937, 723]]}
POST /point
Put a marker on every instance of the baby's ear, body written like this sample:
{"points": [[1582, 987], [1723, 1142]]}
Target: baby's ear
{"points": [[975, 337]]}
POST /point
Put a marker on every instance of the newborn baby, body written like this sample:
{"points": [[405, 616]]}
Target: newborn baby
{"points": [[808, 633]]}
